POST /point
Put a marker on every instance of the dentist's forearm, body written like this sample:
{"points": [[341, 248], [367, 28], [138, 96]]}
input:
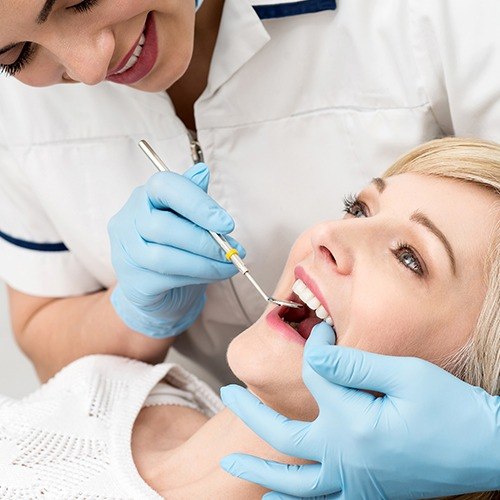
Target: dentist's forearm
{"points": [[54, 332]]}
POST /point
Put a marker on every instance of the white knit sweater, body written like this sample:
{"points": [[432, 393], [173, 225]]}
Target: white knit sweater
{"points": [[71, 439]]}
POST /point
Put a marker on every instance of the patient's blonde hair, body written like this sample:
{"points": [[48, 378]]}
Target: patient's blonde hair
{"points": [[478, 162]]}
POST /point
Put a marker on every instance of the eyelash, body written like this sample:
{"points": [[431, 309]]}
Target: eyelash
{"points": [[84, 6], [352, 202], [28, 50], [353, 206], [24, 58]]}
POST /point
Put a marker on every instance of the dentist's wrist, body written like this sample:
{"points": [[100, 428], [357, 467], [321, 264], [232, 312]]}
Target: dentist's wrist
{"points": [[170, 325]]}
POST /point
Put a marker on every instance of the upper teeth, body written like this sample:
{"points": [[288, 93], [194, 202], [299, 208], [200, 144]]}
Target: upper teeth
{"points": [[306, 296], [134, 57]]}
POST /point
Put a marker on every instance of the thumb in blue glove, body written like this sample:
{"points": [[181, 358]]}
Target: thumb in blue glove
{"points": [[414, 442]]}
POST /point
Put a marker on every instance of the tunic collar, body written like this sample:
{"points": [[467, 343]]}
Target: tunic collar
{"points": [[242, 33]]}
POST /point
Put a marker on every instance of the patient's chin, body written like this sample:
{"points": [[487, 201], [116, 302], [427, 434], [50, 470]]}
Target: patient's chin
{"points": [[244, 362], [276, 382], [294, 401]]}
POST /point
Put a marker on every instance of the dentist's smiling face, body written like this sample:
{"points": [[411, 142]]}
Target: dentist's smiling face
{"points": [[146, 44], [401, 274]]}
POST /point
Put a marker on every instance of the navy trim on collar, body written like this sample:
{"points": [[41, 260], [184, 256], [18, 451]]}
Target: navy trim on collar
{"points": [[294, 8], [30, 245]]}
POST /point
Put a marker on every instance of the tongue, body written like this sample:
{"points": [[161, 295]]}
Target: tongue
{"points": [[304, 328]]}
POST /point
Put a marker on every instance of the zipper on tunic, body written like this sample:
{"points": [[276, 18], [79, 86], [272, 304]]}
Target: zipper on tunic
{"points": [[196, 151]]}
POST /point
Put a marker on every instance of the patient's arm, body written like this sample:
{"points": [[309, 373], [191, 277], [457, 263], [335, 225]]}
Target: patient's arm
{"points": [[52, 332]]}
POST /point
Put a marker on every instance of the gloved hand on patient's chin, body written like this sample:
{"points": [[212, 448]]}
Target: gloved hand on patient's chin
{"points": [[431, 435], [163, 255]]}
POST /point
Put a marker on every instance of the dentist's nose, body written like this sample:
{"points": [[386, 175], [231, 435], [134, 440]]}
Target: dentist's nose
{"points": [[332, 241], [86, 59]]}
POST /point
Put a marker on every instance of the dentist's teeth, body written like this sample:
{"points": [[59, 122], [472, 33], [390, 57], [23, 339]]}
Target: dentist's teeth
{"points": [[133, 59], [135, 56], [308, 297]]}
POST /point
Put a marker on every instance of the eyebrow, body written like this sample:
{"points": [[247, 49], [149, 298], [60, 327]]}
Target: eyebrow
{"points": [[422, 219], [45, 12], [380, 184]]}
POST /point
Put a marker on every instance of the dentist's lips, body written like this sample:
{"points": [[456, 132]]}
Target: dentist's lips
{"points": [[146, 61]]}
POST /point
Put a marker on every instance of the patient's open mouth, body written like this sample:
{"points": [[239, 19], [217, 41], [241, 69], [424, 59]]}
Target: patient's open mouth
{"points": [[304, 319]]}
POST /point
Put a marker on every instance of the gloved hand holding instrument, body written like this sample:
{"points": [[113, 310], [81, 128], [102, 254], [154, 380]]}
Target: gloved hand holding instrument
{"points": [[167, 244], [163, 255]]}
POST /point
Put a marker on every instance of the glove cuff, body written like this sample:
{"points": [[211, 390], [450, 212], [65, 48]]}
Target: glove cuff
{"points": [[158, 328], [495, 405]]}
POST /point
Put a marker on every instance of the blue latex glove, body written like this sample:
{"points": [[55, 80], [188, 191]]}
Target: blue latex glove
{"points": [[162, 254], [431, 435]]}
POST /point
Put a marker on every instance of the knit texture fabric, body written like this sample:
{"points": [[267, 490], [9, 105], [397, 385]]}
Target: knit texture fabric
{"points": [[71, 439]]}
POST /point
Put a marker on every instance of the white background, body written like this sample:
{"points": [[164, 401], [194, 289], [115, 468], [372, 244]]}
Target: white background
{"points": [[17, 377]]}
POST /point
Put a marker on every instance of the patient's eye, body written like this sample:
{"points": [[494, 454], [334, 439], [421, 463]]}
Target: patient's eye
{"points": [[353, 206], [408, 257]]}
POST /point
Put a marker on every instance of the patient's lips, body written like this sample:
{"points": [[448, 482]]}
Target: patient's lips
{"points": [[281, 320]]}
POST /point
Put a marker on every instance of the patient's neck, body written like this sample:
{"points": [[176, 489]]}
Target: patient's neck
{"points": [[191, 469]]}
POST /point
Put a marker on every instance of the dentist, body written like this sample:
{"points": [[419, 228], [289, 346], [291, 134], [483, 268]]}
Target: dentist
{"points": [[285, 100]]}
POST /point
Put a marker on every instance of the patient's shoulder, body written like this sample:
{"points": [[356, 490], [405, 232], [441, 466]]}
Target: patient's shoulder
{"points": [[100, 367]]}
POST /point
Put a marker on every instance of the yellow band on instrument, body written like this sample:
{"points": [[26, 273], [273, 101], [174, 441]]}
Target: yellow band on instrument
{"points": [[231, 252]]}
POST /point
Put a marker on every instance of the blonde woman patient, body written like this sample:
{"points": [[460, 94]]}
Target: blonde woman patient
{"points": [[411, 270]]}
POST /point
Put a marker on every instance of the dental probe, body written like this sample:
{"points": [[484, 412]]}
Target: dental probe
{"points": [[231, 253]]}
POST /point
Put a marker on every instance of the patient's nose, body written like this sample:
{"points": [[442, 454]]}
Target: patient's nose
{"points": [[332, 243]]}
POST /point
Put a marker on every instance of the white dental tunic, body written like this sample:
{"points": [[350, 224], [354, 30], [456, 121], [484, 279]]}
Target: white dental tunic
{"points": [[306, 101]]}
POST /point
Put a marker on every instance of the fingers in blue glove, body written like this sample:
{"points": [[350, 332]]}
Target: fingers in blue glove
{"points": [[322, 335], [199, 174], [279, 431], [298, 480], [168, 228], [363, 370], [171, 261], [158, 283], [171, 191]]}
